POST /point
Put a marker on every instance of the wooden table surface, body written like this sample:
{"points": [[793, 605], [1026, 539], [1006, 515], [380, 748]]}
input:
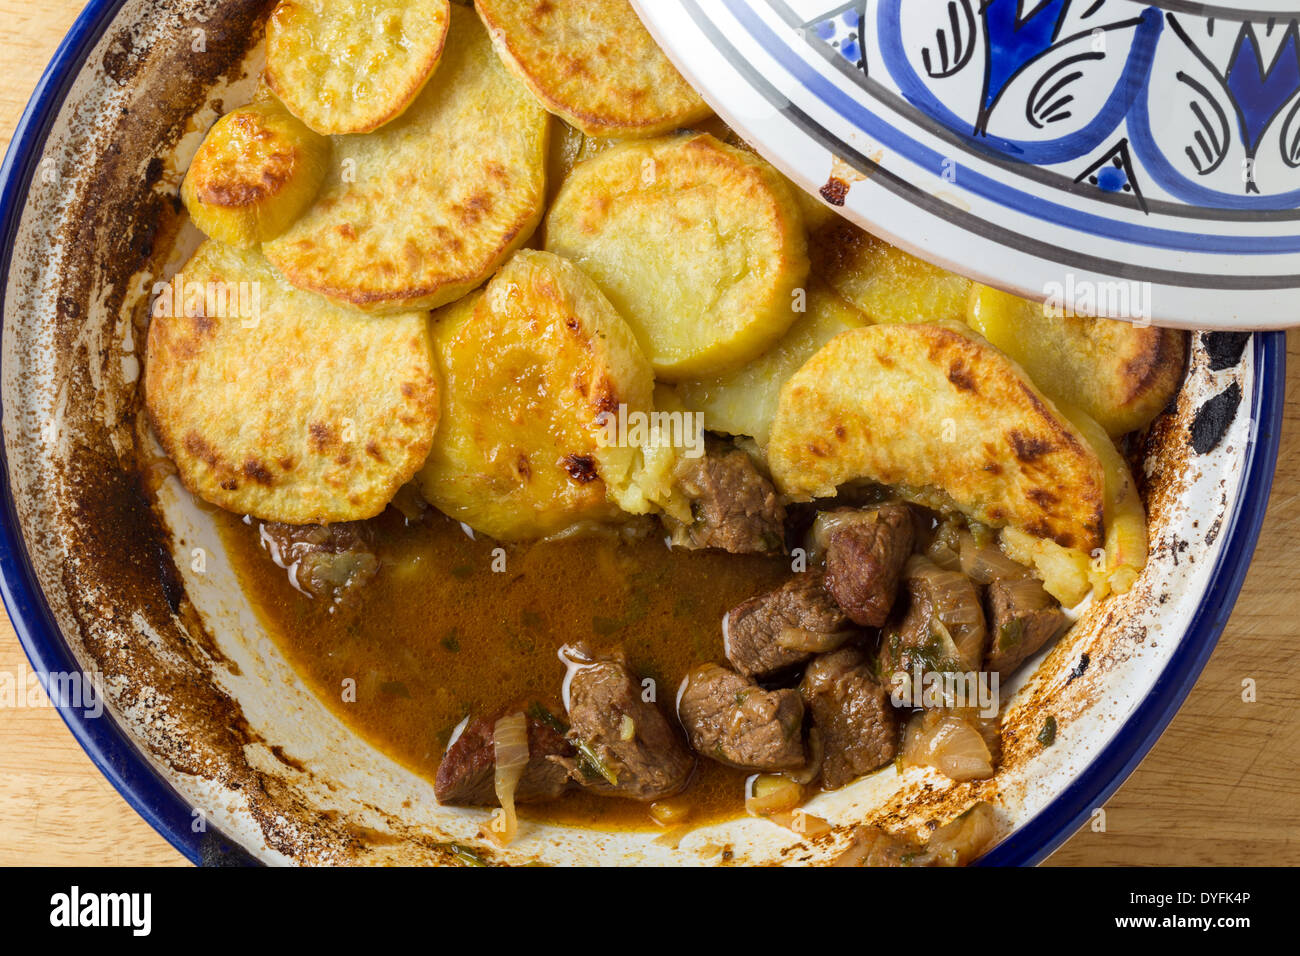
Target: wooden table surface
{"points": [[1218, 788]]}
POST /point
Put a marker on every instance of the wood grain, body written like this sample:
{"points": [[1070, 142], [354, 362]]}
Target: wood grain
{"points": [[1219, 787]]}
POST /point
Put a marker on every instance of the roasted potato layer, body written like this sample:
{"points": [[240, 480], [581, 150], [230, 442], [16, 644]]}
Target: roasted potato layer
{"points": [[530, 366], [352, 67], [416, 214], [593, 64], [699, 245], [255, 172], [276, 403], [1118, 373]]}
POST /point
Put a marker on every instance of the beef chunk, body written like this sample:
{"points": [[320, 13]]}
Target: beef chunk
{"points": [[736, 722], [751, 632], [328, 562], [941, 627], [630, 745], [1024, 617], [733, 507], [865, 554], [858, 727], [466, 776]]}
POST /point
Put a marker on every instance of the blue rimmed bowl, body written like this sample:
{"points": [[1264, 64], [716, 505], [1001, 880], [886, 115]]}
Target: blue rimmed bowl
{"points": [[206, 730]]}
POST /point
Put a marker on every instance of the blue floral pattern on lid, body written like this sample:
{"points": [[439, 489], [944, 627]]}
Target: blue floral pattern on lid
{"points": [[1050, 82]]}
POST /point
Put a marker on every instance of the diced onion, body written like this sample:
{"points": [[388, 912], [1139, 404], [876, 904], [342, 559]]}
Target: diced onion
{"points": [[813, 642], [672, 838], [671, 812], [457, 731], [957, 607], [510, 746], [942, 638], [987, 564], [1029, 595], [816, 753], [954, 844], [943, 555], [767, 793], [958, 842], [949, 744]]}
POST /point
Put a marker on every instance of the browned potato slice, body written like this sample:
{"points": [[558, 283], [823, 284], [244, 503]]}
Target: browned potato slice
{"points": [[1070, 574], [275, 403], [254, 173], [414, 215], [937, 411], [350, 67], [700, 247], [885, 282], [593, 64], [530, 365], [816, 213], [1118, 373]]}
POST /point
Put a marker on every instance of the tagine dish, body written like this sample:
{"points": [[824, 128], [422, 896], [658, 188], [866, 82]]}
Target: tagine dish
{"points": [[589, 468]]}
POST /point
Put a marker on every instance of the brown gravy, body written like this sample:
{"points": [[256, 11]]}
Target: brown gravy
{"points": [[439, 634]]}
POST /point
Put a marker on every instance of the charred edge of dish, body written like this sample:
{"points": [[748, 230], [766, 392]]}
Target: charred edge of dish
{"points": [[1079, 668], [124, 570], [1213, 419], [1223, 350], [291, 762]]}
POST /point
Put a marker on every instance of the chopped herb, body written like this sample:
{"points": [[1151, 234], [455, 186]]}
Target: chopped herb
{"points": [[592, 765], [984, 535], [395, 688], [465, 855], [936, 653], [1011, 633], [544, 716], [451, 641], [1047, 736]]}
